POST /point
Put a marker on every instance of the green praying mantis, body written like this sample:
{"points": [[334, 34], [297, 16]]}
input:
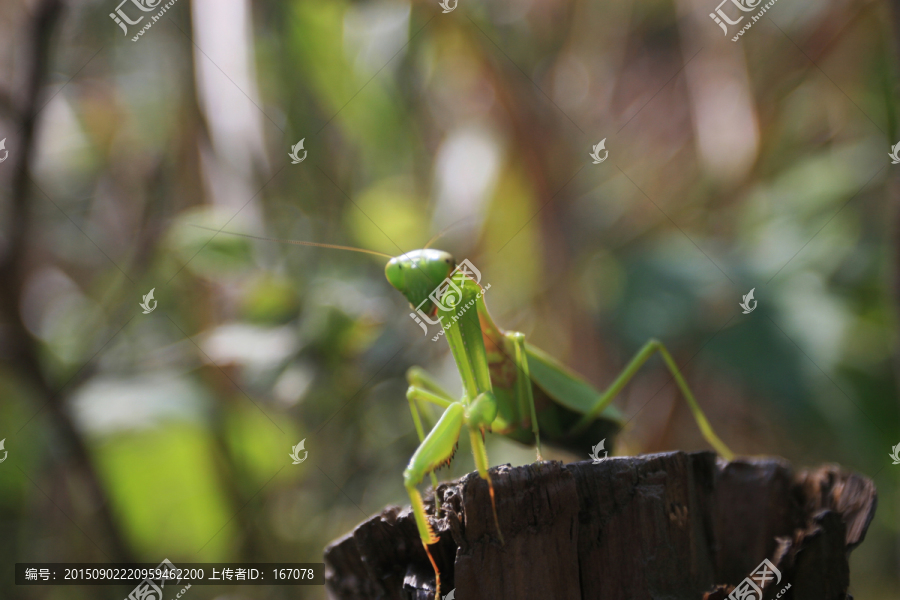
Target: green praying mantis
{"points": [[510, 387]]}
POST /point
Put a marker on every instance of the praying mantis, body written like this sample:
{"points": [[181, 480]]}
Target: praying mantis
{"points": [[510, 387]]}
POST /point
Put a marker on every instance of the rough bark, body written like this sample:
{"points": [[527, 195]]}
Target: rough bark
{"points": [[671, 525]]}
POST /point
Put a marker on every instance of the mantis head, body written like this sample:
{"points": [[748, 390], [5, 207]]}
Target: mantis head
{"points": [[416, 274]]}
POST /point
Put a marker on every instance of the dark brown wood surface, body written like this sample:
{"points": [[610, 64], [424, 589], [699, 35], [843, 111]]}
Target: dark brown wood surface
{"points": [[663, 526]]}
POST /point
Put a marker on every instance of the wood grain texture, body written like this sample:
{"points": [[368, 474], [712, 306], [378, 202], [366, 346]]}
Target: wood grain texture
{"points": [[662, 526]]}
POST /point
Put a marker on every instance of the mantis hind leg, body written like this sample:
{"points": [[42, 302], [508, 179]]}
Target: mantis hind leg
{"points": [[622, 380], [435, 450]]}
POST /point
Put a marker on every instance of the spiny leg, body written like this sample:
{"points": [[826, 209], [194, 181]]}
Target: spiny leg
{"points": [[414, 409], [437, 449], [523, 392], [417, 397], [622, 380]]}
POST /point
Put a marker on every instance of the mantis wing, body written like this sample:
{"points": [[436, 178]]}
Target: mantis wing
{"points": [[564, 386]]}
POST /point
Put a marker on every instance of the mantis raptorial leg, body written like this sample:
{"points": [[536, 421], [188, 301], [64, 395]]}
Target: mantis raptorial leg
{"points": [[414, 409], [437, 449], [416, 396], [477, 410]]}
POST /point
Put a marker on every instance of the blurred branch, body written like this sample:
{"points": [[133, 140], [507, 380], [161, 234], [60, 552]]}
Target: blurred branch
{"points": [[23, 349]]}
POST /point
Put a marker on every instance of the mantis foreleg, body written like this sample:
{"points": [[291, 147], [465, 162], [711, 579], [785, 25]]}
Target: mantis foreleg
{"points": [[435, 450], [477, 410], [622, 380], [416, 396], [414, 409]]}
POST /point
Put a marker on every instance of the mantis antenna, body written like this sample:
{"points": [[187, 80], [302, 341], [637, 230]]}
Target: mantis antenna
{"points": [[295, 242], [446, 229]]}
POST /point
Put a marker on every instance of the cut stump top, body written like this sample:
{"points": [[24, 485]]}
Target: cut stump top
{"points": [[673, 525]]}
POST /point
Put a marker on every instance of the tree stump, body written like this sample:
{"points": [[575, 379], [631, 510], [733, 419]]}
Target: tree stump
{"points": [[671, 526]]}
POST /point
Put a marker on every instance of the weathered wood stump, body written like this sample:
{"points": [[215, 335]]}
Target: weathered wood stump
{"points": [[671, 526]]}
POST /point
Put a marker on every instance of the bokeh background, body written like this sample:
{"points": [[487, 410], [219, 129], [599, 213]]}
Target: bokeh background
{"points": [[761, 164]]}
